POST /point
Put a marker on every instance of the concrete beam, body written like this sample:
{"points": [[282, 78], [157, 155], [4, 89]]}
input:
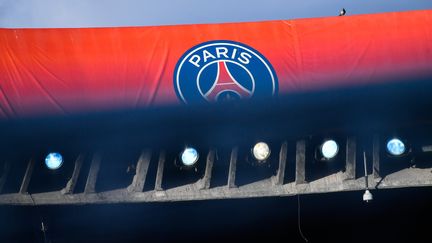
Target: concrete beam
{"points": [[409, 177], [351, 156], [27, 177], [70, 186], [232, 168], [160, 169], [3, 178], [300, 162], [280, 174], [90, 186], [376, 157], [204, 183], [138, 181]]}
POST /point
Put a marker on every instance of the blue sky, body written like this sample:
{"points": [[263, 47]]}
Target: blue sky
{"points": [[93, 13]]}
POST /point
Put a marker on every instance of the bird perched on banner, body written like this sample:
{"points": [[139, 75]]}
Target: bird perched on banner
{"points": [[342, 12]]}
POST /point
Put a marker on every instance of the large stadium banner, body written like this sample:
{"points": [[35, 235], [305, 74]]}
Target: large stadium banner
{"points": [[70, 70]]}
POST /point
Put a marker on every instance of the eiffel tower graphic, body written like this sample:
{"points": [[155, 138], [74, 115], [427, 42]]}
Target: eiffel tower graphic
{"points": [[226, 87]]}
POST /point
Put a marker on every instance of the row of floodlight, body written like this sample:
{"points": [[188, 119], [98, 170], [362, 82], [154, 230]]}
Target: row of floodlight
{"points": [[394, 147], [328, 150], [260, 151]]}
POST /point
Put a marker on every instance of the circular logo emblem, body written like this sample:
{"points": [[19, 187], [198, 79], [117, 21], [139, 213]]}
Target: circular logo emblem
{"points": [[222, 71]]}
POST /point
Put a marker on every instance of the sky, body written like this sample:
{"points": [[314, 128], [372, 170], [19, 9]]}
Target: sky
{"points": [[100, 13]]}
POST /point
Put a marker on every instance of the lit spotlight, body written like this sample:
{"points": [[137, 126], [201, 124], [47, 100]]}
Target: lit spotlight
{"points": [[53, 161], [261, 151], [189, 156], [395, 147], [329, 149]]}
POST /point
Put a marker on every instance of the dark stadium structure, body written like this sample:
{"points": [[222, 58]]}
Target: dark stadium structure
{"points": [[133, 156], [320, 128]]}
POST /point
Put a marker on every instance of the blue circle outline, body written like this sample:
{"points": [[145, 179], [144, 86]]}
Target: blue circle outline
{"points": [[190, 50]]}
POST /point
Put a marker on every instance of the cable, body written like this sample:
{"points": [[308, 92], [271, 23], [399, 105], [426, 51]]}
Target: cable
{"points": [[367, 196], [43, 227], [365, 169], [298, 219]]}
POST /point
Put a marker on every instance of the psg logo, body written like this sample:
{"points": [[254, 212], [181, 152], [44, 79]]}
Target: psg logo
{"points": [[221, 71]]}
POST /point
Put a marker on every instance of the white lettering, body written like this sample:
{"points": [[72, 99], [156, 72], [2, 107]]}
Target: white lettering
{"points": [[207, 54], [244, 57], [221, 51], [234, 53], [195, 59]]}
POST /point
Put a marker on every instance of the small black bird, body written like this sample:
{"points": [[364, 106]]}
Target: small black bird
{"points": [[342, 12]]}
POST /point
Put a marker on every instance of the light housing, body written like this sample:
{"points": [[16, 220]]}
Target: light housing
{"points": [[189, 156], [261, 151], [329, 149], [54, 161], [367, 196], [396, 147]]}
